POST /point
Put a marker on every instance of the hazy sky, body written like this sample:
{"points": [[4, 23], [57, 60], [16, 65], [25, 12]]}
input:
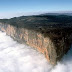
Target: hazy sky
{"points": [[13, 7]]}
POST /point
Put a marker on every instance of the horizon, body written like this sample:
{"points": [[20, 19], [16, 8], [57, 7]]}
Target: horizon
{"points": [[12, 15], [15, 8]]}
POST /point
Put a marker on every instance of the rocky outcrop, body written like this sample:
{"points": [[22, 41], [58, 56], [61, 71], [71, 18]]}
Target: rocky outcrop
{"points": [[53, 44]]}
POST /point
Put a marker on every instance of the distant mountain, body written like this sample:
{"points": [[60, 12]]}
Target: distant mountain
{"points": [[59, 13]]}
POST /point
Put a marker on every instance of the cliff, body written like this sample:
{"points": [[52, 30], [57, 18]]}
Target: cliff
{"points": [[51, 38]]}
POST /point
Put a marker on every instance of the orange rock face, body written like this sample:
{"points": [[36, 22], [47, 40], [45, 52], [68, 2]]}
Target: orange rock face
{"points": [[49, 46]]}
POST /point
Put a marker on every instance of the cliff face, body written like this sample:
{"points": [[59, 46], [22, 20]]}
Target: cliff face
{"points": [[51, 44]]}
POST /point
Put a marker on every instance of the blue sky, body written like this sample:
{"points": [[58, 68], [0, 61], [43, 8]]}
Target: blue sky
{"points": [[26, 6]]}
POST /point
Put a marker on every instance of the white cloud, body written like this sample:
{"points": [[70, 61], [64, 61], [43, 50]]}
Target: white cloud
{"points": [[15, 57], [16, 14]]}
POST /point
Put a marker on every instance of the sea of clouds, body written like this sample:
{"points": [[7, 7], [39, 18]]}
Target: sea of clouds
{"points": [[15, 57]]}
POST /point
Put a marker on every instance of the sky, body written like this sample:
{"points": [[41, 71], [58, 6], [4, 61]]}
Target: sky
{"points": [[9, 8]]}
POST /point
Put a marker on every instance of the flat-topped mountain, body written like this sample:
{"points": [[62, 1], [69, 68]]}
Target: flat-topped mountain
{"points": [[49, 34], [40, 21]]}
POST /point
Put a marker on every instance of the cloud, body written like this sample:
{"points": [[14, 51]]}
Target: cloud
{"points": [[17, 14], [9, 15], [15, 57]]}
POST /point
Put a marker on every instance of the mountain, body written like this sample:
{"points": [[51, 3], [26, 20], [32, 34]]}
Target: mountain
{"points": [[59, 13], [44, 21], [49, 34]]}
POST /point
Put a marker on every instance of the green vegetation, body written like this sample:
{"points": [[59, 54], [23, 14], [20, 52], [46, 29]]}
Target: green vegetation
{"points": [[40, 22]]}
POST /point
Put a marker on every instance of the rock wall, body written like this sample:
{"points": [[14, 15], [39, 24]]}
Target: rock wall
{"points": [[52, 45]]}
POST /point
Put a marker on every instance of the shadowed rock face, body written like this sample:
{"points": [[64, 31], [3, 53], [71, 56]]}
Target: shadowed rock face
{"points": [[48, 35]]}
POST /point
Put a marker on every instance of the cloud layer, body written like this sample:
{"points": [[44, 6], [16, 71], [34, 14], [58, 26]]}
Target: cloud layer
{"points": [[15, 57], [17, 14]]}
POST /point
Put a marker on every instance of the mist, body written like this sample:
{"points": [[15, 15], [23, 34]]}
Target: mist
{"points": [[8, 15], [15, 57]]}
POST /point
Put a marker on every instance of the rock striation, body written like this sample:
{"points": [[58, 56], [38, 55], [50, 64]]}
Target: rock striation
{"points": [[52, 41]]}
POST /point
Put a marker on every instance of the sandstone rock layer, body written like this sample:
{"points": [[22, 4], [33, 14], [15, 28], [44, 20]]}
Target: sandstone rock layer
{"points": [[53, 44]]}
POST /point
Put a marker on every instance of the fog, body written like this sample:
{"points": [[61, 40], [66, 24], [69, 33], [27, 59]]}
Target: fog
{"points": [[15, 57], [8, 15]]}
